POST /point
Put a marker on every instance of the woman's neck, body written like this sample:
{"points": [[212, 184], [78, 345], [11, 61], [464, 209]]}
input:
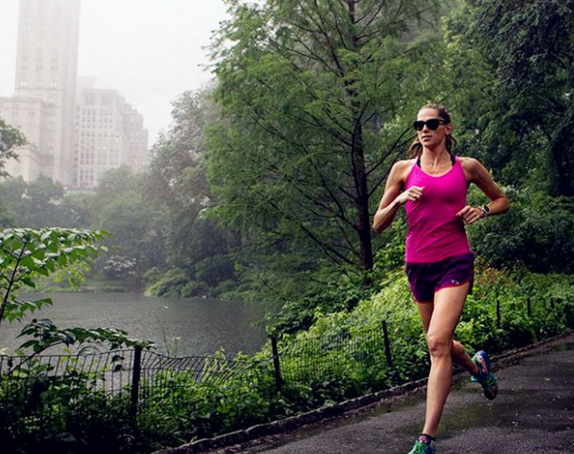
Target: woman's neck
{"points": [[435, 157]]}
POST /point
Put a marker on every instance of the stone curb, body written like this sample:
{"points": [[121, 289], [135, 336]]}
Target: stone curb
{"points": [[358, 403]]}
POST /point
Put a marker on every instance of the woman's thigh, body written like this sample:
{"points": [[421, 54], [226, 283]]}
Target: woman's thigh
{"points": [[447, 309]]}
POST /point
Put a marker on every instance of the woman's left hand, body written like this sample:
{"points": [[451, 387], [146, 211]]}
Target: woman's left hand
{"points": [[470, 214]]}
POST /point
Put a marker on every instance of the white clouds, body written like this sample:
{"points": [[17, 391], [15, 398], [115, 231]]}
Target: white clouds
{"points": [[148, 50]]}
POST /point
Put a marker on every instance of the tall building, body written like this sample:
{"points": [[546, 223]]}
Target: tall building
{"points": [[109, 133], [35, 119], [46, 71], [74, 131], [137, 139]]}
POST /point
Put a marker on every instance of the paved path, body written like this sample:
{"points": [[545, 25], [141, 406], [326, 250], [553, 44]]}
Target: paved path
{"points": [[534, 413]]}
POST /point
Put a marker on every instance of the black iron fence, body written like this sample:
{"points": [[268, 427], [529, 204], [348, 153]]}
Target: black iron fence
{"points": [[29, 385], [314, 357], [42, 391]]}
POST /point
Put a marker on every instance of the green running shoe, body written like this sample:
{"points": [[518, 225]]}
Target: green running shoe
{"points": [[485, 377], [423, 446]]}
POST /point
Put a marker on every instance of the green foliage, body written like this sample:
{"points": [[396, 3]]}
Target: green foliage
{"points": [[169, 284], [327, 296], [137, 235], [319, 370], [184, 408], [28, 387], [193, 244], [313, 104], [26, 254], [83, 418], [498, 317], [316, 101], [536, 233], [530, 47], [36, 204], [341, 356], [118, 205]]}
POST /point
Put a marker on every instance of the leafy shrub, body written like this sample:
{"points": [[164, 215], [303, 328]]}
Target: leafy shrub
{"points": [[342, 355], [536, 232], [194, 288], [169, 284]]}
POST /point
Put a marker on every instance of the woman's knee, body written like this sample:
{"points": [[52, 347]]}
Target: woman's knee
{"points": [[439, 345]]}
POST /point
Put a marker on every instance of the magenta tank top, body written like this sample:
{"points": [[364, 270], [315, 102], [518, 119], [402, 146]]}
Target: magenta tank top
{"points": [[435, 232]]}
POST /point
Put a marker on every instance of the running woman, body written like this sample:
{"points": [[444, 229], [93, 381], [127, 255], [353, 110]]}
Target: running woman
{"points": [[432, 186]]}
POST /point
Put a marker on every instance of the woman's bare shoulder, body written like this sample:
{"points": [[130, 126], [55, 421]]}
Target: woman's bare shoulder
{"points": [[403, 167], [469, 163], [473, 169], [398, 176]]}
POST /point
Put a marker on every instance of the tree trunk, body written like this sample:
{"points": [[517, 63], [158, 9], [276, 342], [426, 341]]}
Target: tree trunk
{"points": [[562, 150], [359, 171], [362, 201]]}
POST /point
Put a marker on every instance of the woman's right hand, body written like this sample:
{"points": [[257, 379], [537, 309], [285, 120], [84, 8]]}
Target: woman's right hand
{"points": [[393, 198], [411, 194]]}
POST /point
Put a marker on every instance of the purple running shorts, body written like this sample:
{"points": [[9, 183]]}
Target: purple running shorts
{"points": [[427, 278]]}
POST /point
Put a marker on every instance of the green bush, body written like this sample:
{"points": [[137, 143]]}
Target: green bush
{"points": [[194, 289], [169, 283], [342, 355], [536, 232], [183, 409]]}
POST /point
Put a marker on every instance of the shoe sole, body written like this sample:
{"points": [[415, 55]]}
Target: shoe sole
{"points": [[488, 392]]}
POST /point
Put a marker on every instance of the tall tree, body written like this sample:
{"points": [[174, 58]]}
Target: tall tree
{"points": [[317, 97], [136, 240], [531, 46], [35, 204], [177, 183]]}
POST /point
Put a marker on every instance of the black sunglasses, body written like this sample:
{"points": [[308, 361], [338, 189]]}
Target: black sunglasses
{"points": [[432, 124]]}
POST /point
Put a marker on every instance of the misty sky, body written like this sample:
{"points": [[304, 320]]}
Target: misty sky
{"points": [[148, 50]]}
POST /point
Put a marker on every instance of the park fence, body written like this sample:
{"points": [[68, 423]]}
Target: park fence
{"points": [[42, 389], [40, 392]]}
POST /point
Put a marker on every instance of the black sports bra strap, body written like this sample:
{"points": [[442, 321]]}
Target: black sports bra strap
{"points": [[452, 159]]}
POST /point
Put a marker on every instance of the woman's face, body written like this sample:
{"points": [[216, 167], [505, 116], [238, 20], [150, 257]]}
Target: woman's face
{"points": [[428, 137]]}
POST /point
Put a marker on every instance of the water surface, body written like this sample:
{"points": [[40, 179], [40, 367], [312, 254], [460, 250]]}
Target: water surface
{"points": [[184, 326]]}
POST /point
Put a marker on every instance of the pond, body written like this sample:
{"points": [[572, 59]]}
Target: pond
{"points": [[184, 327]]}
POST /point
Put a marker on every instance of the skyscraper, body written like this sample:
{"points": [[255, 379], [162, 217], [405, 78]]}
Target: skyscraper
{"points": [[75, 132], [35, 119], [46, 70], [137, 157], [109, 134]]}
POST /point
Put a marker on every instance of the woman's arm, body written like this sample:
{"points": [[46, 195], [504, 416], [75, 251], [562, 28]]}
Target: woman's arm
{"points": [[393, 198], [476, 173]]}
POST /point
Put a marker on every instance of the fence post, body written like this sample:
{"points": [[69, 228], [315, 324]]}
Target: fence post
{"points": [[498, 316], [136, 376], [276, 364], [387, 345]]}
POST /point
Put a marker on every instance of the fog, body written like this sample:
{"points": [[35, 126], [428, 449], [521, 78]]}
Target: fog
{"points": [[150, 51]]}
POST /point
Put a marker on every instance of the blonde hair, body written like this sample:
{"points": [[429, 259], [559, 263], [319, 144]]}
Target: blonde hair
{"points": [[416, 148]]}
